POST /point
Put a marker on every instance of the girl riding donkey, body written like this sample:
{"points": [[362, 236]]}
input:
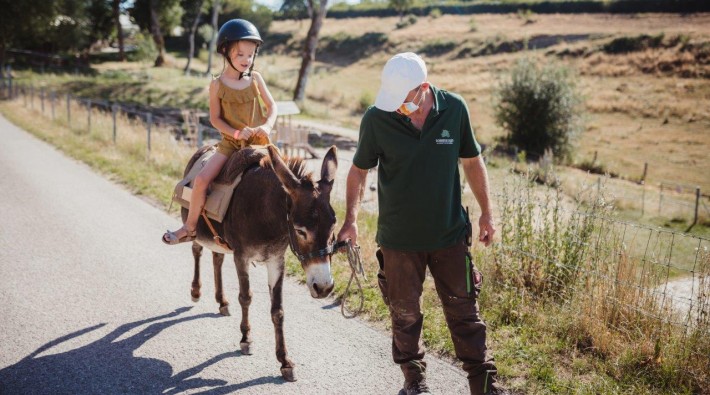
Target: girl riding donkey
{"points": [[234, 110]]}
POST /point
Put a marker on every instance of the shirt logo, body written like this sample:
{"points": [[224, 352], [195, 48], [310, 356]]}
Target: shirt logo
{"points": [[445, 138]]}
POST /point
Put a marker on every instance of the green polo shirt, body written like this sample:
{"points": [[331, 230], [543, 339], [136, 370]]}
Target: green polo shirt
{"points": [[419, 187]]}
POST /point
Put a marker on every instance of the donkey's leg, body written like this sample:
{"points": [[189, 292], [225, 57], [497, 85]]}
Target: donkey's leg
{"points": [[245, 295], [196, 283], [217, 260], [276, 277]]}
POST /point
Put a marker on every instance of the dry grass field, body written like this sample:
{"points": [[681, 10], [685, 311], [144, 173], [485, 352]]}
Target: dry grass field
{"points": [[651, 104]]}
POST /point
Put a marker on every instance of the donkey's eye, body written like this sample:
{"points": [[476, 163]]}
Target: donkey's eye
{"points": [[301, 233]]}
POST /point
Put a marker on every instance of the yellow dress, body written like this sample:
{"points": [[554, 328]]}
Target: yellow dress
{"points": [[240, 108]]}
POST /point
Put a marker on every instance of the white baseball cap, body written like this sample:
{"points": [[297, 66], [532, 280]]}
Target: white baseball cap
{"points": [[402, 73]]}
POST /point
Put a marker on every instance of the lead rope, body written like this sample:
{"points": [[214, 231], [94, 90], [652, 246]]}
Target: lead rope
{"points": [[356, 266]]}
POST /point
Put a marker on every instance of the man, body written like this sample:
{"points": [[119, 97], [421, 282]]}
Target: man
{"points": [[416, 133]]}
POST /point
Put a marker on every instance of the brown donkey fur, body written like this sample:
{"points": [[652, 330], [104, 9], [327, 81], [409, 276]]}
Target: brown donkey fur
{"points": [[257, 229]]}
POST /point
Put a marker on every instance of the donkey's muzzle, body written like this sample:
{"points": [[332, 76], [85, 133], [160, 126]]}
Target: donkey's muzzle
{"points": [[319, 280]]}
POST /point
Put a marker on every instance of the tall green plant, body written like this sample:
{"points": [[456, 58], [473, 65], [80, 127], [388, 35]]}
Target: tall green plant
{"points": [[540, 108]]}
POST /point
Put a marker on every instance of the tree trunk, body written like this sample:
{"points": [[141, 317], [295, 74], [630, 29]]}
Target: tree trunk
{"points": [[213, 41], [191, 37], [309, 48], [119, 30], [157, 34], [2, 58]]}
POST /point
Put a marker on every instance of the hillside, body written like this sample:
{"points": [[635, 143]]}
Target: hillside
{"points": [[645, 77]]}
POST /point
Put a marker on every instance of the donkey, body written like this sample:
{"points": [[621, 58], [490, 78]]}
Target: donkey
{"points": [[275, 205]]}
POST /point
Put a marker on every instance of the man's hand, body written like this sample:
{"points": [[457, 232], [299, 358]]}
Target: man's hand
{"points": [[486, 229], [348, 231]]}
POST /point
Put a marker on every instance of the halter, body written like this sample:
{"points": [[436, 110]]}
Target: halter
{"points": [[329, 250]]}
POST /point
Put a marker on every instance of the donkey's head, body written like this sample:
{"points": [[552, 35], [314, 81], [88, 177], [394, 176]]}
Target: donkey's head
{"points": [[311, 219]]}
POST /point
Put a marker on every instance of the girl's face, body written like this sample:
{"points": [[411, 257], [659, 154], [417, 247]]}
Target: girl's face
{"points": [[242, 55]]}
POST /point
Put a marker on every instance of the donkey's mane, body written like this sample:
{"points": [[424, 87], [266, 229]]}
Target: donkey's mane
{"points": [[298, 168], [248, 158]]}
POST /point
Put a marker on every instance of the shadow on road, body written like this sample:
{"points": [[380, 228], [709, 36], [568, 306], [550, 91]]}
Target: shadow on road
{"points": [[109, 366]]}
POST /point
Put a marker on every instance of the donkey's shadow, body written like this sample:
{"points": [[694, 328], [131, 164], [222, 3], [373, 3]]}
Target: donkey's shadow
{"points": [[109, 366]]}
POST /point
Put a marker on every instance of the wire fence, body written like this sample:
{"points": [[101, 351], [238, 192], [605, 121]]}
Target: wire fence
{"points": [[648, 285]]}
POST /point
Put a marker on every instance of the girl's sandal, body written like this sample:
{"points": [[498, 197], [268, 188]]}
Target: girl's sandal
{"points": [[171, 238]]}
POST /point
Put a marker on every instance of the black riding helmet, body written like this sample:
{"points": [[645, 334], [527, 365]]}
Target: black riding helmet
{"points": [[235, 30]]}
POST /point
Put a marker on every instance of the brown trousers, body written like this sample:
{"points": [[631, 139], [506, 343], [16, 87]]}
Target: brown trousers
{"points": [[401, 279]]}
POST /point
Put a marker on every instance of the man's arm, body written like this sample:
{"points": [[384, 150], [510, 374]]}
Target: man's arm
{"points": [[353, 195], [477, 177]]}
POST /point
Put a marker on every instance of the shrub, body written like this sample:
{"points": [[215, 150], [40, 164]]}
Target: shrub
{"points": [[407, 21], [434, 13], [472, 25], [145, 48], [540, 108], [527, 15], [365, 101]]}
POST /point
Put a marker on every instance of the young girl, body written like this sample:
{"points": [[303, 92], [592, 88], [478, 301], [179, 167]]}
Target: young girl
{"points": [[234, 110]]}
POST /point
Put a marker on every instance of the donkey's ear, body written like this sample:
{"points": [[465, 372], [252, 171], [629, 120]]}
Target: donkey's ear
{"points": [[289, 181], [330, 165]]}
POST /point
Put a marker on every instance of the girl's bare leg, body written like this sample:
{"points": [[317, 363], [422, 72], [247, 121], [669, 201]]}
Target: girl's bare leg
{"points": [[199, 192]]}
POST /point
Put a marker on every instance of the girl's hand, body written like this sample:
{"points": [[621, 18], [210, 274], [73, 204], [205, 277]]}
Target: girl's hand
{"points": [[243, 134], [262, 131]]}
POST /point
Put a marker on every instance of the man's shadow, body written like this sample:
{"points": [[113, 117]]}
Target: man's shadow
{"points": [[109, 366]]}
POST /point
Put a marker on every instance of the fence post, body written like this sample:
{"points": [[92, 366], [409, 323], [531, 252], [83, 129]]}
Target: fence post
{"points": [[52, 98], [660, 200], [697, 205], [199, 135], [41, 98], [114, 109], [69, 110], [24, 96], [149, 122], [643, 198], [32, 97], [599, 186], [645, 171], [88, 111]]}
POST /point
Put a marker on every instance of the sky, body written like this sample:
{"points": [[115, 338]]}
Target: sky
{"points": [[276, 4]]}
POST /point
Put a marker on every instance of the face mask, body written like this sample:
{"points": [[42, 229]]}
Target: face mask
{"points": [[409, 107]]}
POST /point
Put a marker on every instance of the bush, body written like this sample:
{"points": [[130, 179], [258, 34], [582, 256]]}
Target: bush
{"points": [[540, 108], [145, 48], [434, 13], [365, 101], [472, 25], [407, 21]]}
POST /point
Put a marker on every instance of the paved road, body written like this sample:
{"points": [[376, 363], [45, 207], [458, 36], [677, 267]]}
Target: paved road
{"points": [[92, 302]]}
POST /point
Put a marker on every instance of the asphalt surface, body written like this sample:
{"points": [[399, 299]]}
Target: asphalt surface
{"points": [[92, 302]]}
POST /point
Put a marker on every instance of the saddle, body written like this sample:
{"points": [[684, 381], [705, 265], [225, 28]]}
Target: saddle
{"points": [[220, 191]]}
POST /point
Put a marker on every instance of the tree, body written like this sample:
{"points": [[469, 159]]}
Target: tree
{"points": [[294, 9], [317, 14], [116, 8], [191, 20], [20, 17], [216, 7], [156, 17], [401, 6]]}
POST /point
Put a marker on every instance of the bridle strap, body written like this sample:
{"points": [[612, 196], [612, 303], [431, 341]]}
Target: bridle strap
{"points": [[330, 249]]}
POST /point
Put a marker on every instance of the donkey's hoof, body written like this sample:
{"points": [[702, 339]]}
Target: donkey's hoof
{"points": [[224, 310], [287, 374], [195, 299], [246, 348]]}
